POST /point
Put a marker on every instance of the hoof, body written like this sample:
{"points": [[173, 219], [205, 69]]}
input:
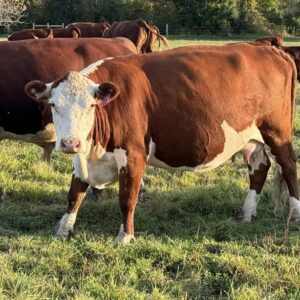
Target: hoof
{"points": [[58, 232], [241, 218], [123, 238]]}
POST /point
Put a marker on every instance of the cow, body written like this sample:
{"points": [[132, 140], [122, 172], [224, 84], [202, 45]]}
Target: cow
{"points": [[72, 32], [139, 32], [23, 119], [26, 34], [88, 29], [274, 40], [190, 108], [293, 51]]}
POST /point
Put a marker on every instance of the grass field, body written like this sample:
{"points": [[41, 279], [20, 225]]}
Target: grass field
{"points": [[188, 246]]}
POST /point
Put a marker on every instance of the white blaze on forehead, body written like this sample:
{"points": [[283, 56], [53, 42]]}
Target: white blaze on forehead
{"points": [[73, 116], [234, 142], [93, 67], [121, 158]]}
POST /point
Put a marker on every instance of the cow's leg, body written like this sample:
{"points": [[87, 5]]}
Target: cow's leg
{"points": [[47, 151], [76, 194], [258, 165], [131, 171], [286, 159]]}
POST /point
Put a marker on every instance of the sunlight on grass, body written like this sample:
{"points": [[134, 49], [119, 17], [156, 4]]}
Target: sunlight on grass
{"points": [[188, 243]]}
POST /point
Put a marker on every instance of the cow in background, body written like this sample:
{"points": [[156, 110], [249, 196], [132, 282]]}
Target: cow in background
{"points": [[293, 51], [46, 59], [26, 34], [139, 32], [45, 33], [73, 32], [174, 110], [88, 29], [274, 40]]}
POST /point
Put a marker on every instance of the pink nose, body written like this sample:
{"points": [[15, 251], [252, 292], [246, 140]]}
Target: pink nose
{"points": [[70, 145]]}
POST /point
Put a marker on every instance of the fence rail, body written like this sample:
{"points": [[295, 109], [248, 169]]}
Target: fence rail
{"points": [[47, 25]]}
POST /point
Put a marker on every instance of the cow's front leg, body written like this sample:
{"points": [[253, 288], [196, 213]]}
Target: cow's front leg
{"points": [[130, 174], [76, 194]]}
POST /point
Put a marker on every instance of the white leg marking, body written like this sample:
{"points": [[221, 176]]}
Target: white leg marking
{"points": [[250, 204], [295, 208], [123, 237], [65, 225], [120, 157]]}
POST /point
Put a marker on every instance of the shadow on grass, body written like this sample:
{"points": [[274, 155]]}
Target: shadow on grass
{"points": [[190, 213]]}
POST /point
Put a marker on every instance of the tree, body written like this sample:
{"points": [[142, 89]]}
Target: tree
{"points": [[11, 11]]}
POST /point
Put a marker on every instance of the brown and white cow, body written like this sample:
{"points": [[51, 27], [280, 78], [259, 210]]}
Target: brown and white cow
{"points": [[88, 29], [139, 32], [23, 119], [191, 108], [72, 32], [29, 34]]}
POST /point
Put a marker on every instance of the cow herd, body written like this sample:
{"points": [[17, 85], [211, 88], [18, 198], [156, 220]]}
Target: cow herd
{"points": [[116, 110], [138, 31]]}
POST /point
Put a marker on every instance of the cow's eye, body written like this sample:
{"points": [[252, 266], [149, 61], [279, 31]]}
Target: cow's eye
{"points": [[93, 105], [51, 104]]}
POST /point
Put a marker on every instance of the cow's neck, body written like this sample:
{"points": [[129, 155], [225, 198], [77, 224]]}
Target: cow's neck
{"points": [[99, 135]]}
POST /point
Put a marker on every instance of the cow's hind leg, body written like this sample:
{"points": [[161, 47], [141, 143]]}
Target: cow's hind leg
{"points": [[258, 164], [286, 159], [76, 194]]}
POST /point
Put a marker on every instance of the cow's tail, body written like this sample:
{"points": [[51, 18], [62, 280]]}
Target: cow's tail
{"points": [[160, 37], [280, 189]]}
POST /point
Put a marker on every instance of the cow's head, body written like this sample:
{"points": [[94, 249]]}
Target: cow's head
{"points": [[73, 100]]}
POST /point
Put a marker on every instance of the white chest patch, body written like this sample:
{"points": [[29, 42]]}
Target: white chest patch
{"points": [[98, 173], [234, 142], [120, 157]]}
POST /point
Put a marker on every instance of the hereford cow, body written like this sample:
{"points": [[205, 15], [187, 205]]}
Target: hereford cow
{"points": [[90, 29], [73, 32], [294, 52], [46, 59], [139, 32], [174, 110], [27, 34], [274, 40]]}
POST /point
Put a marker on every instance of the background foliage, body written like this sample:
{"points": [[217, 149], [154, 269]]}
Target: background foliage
{"points": [[184, 16]]}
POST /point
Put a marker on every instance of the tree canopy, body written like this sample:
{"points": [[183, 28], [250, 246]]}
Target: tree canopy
{"points": [[254, 16]]}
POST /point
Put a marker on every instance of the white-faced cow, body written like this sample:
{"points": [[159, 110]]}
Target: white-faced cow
{"points": [[190, 108], [23, 119]]}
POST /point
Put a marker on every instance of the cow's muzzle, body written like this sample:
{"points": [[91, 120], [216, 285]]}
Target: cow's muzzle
{"points": [[71, 145]]}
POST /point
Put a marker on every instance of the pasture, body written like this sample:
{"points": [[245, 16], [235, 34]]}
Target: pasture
{"points": [[188, 245]]}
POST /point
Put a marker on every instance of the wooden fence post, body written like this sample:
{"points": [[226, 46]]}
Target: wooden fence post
{"points": [[167, 29]]}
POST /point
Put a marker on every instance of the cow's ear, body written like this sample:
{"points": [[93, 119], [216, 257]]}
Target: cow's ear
{"points": [[106, 92], [37, 90]]}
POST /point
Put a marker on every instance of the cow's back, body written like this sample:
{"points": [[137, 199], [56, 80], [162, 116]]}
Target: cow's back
{"points": [[194, 90]]}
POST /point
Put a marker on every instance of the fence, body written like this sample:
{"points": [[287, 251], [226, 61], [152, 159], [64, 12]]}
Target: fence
{"points": [[34, 26]]}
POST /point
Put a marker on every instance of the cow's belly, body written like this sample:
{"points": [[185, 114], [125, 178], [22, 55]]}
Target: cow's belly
{"points": [[234, 143], [99, 173]]}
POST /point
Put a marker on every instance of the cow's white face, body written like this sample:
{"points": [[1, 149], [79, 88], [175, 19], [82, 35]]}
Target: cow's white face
{"points": [[73, 100], [73, 110]]}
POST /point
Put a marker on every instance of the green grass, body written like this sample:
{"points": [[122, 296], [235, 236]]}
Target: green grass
{"points": [[188, 246]]}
